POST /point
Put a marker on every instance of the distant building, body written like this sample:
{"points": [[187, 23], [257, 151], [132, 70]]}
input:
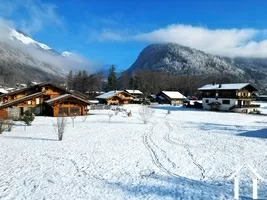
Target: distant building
{"points": [[170, 97], [260, 97], [3, 91], [137, 94], [152, 98], [235, 97], [115, 97]]}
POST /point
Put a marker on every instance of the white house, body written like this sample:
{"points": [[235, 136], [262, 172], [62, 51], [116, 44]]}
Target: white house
{"points": [[228, 97]]}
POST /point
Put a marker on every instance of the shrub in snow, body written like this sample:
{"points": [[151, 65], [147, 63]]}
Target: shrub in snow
{"points": [[28, 117], [146, 113], [146, 173], [2, 123], [60, 126], [9, 123]]}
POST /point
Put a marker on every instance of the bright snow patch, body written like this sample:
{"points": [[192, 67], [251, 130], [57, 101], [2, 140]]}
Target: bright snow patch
{"points": [[26, 40], [187, 154]]}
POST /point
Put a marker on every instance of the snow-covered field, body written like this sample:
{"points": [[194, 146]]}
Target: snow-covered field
{"points": [[188, 154], [263, 107]]}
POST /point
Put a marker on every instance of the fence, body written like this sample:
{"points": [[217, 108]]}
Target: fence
{"points": [[100, 107]]}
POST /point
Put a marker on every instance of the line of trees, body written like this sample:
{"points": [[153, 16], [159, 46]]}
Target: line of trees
{"points": [[149, 82]]}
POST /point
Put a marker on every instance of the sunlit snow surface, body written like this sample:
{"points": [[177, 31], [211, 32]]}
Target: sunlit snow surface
{"points": [[188, 154]]}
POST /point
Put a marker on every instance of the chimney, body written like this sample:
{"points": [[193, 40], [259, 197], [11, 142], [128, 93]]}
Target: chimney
{"points": [[220, 85], [213, 83]]}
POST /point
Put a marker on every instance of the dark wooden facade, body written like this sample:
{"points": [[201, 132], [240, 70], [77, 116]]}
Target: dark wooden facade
{"points": [[43, 99]]}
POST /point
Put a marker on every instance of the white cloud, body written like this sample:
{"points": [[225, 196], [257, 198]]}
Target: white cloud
{"points": [[64, 64], [225, 42], [36, 14]]}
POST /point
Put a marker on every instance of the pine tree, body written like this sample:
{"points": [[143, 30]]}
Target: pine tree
{"points": [[112, 79], [69, 81]]}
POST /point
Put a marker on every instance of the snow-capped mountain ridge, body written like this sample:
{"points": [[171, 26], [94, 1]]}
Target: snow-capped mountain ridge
{"points": [[15, 35], [20, 55]]}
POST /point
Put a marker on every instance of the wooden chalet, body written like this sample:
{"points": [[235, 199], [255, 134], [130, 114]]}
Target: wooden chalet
{"points": [[137, 94], [44, 99], [235, 97], [115, 97], [170, 97]]}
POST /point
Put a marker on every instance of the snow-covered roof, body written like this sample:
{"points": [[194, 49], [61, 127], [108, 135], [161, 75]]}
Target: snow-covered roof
{"points": [[64, 96], [174, 94], [57, 98], [134, 91], [230, 86], [161, 97], [3, 91], [109, 94], [93, 101], [153, 96]]}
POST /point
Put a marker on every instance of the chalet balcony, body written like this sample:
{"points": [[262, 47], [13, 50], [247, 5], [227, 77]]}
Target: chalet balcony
{"points": [[248, 106], [228, 97]]}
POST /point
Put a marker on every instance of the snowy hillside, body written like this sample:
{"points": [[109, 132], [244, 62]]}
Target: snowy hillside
{"points": [[188, 154], [182, 60]]}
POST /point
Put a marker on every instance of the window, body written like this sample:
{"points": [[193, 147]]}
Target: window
{"points": [[74, 111], [226, 102], [63, 111], [37, 101], [244, 94], [207, 101], [29, 102]]}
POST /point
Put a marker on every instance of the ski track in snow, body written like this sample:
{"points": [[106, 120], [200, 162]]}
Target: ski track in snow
{"points": [[184, 155]]}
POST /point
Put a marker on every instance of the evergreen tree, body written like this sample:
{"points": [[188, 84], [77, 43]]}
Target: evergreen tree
{"points": [[112, 79], [69, 81]]}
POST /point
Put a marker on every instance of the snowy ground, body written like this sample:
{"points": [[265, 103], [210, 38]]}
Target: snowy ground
{"points": [[263, 107], [188, 154]]}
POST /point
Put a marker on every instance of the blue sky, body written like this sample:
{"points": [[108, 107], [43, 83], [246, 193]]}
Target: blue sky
{"points": [[115, 32]]}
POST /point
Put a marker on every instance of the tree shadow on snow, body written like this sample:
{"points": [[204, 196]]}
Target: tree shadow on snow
{"points": [[175, 108], [29, 138], [161, 187], [220, 127], [174, 188], [262, 133]]}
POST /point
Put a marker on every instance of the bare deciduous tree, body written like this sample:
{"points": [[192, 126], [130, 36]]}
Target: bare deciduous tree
{"points": [[60, 126], [73, 119], [146, 113], [110, 115], [84, 118]]}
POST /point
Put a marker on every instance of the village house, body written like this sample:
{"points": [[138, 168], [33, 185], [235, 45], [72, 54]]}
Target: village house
{"points": [[137, 94], [44, 99], [115, 97], [170, 97], [235, 97]]}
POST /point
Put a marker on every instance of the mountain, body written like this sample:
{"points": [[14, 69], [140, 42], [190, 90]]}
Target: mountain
{"points": [[23, 59], [181, 60]]}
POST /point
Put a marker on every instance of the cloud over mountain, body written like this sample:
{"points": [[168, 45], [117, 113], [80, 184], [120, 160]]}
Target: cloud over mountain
{"points": [[225, 42]]}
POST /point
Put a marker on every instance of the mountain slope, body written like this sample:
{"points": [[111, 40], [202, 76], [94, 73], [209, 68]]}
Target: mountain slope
{"points": [[180, 60], [23, 59]]}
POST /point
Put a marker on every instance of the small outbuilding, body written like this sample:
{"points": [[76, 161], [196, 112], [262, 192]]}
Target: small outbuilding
{"points": [[170, 97]]}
